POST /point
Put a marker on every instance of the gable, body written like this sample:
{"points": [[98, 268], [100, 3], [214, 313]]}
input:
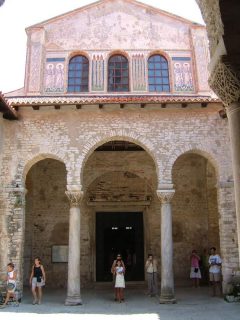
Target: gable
{"points": [[120, 24]]}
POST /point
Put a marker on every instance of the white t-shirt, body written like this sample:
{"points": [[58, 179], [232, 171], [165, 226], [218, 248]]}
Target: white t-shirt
{"points": [[215, 259]]}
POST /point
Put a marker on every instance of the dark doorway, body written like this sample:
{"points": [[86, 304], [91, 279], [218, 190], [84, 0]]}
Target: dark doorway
{"points": [[119, 232]]}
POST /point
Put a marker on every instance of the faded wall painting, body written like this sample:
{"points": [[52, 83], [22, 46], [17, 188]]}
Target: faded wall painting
{"points": [[54, 75], [182, 74]]}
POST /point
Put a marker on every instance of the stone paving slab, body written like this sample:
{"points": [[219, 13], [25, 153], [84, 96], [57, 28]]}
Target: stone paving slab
{"points": [[98, 304]]}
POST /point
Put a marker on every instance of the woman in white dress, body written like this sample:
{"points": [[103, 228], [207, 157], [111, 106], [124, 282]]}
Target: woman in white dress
{"points": [[120, 281]]}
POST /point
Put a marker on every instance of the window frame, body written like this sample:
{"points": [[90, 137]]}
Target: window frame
{"points": [[121, 68], [157, 67], [79, 81]]}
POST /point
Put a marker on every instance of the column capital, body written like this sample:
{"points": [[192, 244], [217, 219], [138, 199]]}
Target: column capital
{"points": [[165, 196], [75, 197], [225, 82]]}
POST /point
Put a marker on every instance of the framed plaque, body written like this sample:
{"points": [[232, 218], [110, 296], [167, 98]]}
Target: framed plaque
{"points": [[60, 253]]}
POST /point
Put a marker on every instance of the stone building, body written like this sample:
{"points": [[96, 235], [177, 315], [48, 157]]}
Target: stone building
{"points": [[118, 144]]}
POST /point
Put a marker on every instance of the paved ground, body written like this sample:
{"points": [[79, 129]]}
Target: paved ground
{"points": [[98, 304]]}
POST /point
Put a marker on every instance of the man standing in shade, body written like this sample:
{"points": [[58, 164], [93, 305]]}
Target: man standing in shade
{"points": [[215, 263], [151, 269]]}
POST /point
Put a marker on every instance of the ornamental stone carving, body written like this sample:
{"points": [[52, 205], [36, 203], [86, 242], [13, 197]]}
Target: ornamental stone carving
{"points": [[225, 83], [75, 197], [98, 72], [165, 196]]}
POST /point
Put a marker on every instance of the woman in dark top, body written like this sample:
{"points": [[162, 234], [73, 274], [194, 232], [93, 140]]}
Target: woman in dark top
{"points": [[37, 280]]}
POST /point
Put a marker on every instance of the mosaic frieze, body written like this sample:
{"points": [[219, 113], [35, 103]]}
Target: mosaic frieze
{"points": [[97, 73], [202, 58], [138, 72], [35, 59], [54, 75], [182, 74]]}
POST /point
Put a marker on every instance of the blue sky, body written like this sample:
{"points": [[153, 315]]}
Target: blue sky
{"points": [[16, 15]]}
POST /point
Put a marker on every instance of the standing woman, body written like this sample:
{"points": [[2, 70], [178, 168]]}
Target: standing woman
{"points": [[37, 280], [119, 258], [119, 280], [195, 273]]}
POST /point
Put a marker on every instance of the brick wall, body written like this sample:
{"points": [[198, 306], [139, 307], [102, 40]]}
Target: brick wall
{"points": [[71, 135]]}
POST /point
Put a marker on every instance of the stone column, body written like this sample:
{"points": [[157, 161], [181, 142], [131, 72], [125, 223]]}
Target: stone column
{"points": [[167, 283], [74, 286], [233, 113], [17, 229]]}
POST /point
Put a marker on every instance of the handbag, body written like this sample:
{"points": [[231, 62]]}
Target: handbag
{"points": [[196, 270]]}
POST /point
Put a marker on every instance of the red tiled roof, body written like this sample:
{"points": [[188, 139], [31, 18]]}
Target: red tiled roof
{"points": [[109, 99], [7, 110]]}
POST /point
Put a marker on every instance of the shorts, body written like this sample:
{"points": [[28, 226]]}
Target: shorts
{"points": [[37, 284], [195, 275], [11, 286], [215, 277]]}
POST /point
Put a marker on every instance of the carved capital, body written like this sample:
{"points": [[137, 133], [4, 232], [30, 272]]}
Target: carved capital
{"points": [[165, 196], [75, 197], [225, 83]]}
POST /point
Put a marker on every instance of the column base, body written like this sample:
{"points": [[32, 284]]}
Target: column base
{"points": [[73, 301], [167, 300]]}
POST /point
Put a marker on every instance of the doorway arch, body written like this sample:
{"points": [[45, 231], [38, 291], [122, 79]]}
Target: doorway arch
{"points": [[119, 180], [195, 211], [46, 219]]}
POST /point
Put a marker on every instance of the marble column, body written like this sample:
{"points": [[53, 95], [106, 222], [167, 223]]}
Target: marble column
{"points": [[167, 283], [74, 282], [233, 113]]}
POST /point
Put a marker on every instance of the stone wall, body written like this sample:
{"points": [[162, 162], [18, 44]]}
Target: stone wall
{"points": [[71, 135], [195, 215], [47, 214]]}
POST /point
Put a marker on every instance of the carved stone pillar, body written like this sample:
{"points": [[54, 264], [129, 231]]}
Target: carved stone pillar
{"points": [[74, 286], [233, 113], [167, 283], [226, 84], [18, 200]]}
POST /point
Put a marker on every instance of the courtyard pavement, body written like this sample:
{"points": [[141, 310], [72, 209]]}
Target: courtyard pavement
{"points": [[98, 304]]}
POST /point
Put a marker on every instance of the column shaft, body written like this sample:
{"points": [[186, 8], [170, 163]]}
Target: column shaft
{"points": [[167, 283], [233, 112], [74, 282]]}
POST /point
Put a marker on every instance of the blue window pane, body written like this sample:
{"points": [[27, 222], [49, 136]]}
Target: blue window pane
{"points": [[151, 72], [166, 88], [158, 88], [157, 73], [78, 74], [151, 87]]}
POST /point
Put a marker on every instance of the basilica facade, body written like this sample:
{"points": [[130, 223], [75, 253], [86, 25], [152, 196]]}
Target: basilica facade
{"points": [[115, 144]]}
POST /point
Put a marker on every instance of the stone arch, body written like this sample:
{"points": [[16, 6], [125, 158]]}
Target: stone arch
{"points": [[195, 207], [125, 135], [31, 160], [204, 152]]}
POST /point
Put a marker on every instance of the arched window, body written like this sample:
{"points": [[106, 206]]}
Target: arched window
{"points": [[78, 73], [118, 73], [158, 77]]}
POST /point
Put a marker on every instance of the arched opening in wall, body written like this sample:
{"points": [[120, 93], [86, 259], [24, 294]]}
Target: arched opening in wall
{"points": [[195, 214], [119, 180], [47, 221]]}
